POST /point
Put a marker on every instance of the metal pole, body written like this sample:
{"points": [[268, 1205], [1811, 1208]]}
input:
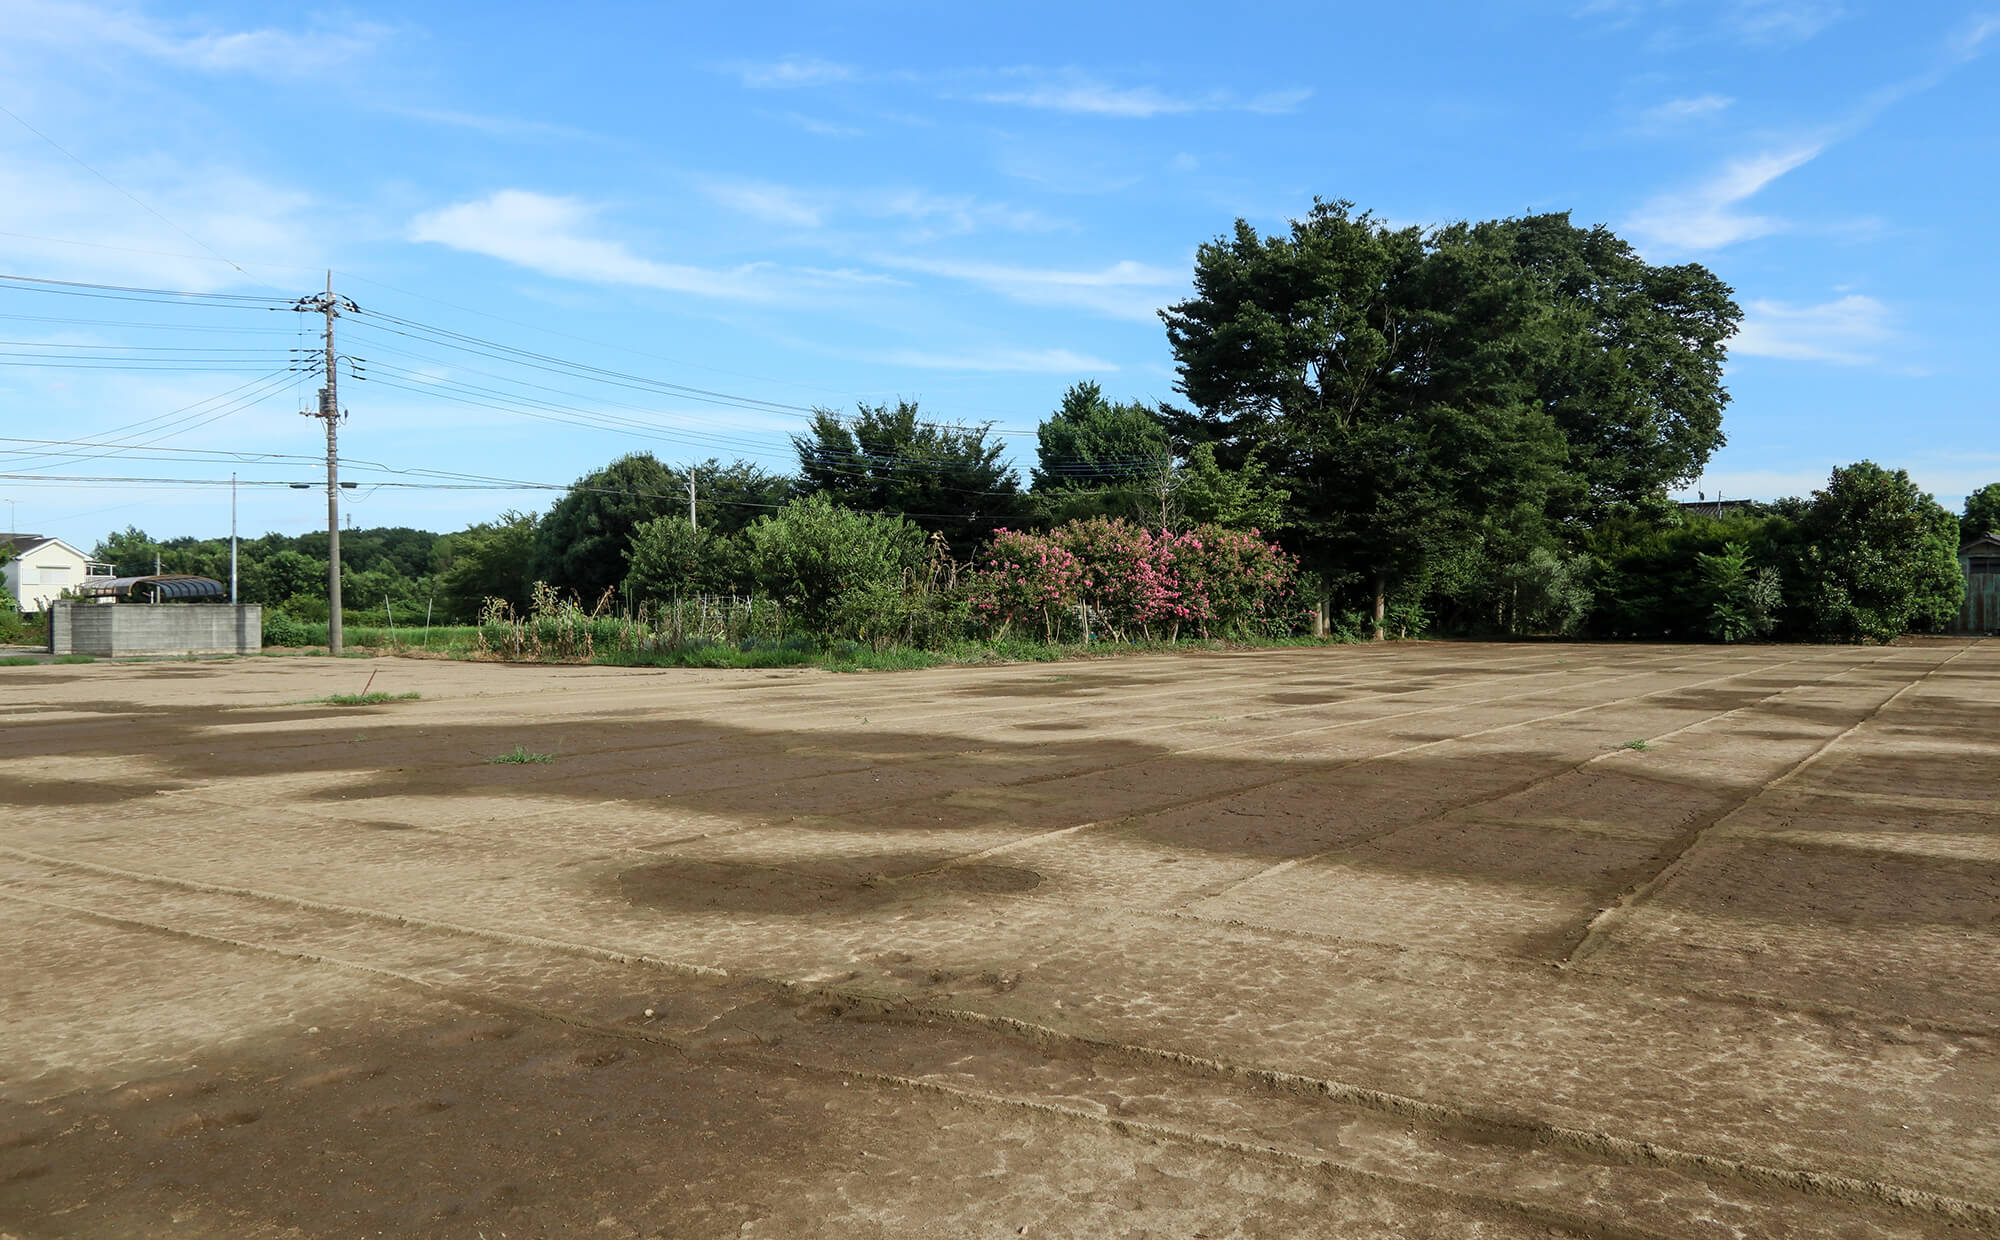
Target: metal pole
{"points": [[232, 540], [329, 409], [691, 524]]}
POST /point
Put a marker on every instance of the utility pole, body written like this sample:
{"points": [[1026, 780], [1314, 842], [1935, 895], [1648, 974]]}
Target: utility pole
{"points": [[329, 410], [691, 524], [232, 540]]}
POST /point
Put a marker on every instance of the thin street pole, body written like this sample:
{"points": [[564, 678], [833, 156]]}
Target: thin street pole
{"points": [[330, 410], [232, 540], [691, 524]]}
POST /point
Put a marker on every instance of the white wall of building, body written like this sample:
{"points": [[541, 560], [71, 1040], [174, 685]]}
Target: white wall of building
{"points": [[41, 571]]}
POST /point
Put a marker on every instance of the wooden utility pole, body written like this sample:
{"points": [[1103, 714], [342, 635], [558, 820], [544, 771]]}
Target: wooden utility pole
{"points": [[329, 411]]}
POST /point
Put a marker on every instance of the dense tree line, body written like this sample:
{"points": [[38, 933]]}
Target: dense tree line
{"points": [[1471, 428]]}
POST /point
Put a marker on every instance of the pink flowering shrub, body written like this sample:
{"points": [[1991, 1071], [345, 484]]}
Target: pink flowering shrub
{"points": [[1133, 582], [1021, 577], [1245, 583], [1128, 576]]}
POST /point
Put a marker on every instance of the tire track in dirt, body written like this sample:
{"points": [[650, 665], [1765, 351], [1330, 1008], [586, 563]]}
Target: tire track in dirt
{"points": [[1591, 934], [923, 711], [1826, 1013], [1533, 783], [1449, 1121], [1277, 781], [926, 708], [1460, 1122], [872, 762]]}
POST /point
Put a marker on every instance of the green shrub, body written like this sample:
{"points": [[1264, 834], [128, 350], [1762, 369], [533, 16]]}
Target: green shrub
{"points": [[814, 556], [281, 630]]}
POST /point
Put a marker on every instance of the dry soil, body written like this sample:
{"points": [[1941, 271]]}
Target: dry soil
{"points": [[1426, 940]]}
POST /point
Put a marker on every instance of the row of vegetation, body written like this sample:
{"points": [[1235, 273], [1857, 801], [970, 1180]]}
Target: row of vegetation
{"points": [[1383, 431]]}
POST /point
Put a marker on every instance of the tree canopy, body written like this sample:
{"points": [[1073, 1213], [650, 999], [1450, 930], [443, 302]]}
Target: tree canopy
{"points": [[581, 543], [1626, 357], [1378, 371], [1982, 513], [1091, 442], [1880, 556], [1416, 391], [486, 561], [950, 479]]}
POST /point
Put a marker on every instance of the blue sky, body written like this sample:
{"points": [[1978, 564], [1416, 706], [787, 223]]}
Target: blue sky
{"points": [[815, 205]]}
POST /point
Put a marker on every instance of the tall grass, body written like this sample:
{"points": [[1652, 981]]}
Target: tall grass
{"points": [[720, 631]]}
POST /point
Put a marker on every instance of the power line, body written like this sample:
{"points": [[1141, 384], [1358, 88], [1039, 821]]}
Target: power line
{"points": [[124, 292], [121, 189]]}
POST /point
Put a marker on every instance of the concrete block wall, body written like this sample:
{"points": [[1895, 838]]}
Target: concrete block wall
{"points": [[112, 629]]}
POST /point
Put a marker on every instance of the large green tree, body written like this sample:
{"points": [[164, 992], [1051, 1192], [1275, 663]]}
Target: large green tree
{"points": [[1380, 372], [1094, 457], [729, 497], [485, 561], [1982, 513], [886, 458], [1879, 557], [1624, 355], [129, 552], [581, 543], [1092, 442]]}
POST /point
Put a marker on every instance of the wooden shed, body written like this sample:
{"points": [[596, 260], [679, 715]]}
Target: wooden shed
{"points": [[1979, 560]]}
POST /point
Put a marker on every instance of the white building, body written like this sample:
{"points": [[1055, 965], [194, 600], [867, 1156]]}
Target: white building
{"points": [[42, 568]]}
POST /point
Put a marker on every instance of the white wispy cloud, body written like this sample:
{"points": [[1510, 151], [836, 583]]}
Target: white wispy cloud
{"points": [[1018, 361], [1746, 21], [792, 72], [1782, 21], [821, 126], [932, 214], [764, 200], [1084, 95], [511, 127], [1679, 111], [1968, 42], [953, 214], [555, 236], [264, 51], [1124, 290], [1097, 99], [1843, 330], [1710, 215], [57, 218]]}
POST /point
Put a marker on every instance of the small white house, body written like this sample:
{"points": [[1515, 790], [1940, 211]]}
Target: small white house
{"points": [[42, 568]]}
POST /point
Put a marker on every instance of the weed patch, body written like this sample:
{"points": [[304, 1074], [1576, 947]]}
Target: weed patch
{"points": [[360, 699], [519, 755], [20, 660], [75, 658]]}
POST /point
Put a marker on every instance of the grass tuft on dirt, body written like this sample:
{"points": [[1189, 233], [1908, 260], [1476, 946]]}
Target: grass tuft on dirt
{"points": [[519, 755], [20, 660], [361, 699]]}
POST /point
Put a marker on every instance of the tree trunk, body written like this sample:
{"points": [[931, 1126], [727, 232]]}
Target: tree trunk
{"points": [[1381, 609]]}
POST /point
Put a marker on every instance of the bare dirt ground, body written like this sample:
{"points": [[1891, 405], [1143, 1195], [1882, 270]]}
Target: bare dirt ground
{"points": [[1410, 941]]}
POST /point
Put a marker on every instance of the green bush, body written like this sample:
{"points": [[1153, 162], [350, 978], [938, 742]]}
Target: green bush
{"points": [[281, 630], [1881, 557], [816, 558]]}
